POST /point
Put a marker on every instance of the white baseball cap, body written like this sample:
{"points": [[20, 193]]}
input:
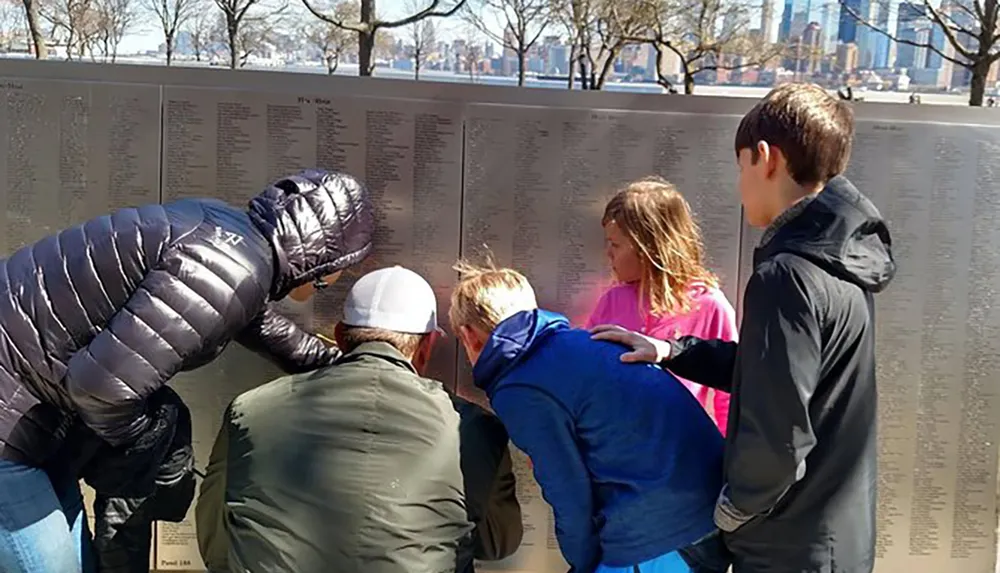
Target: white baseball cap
{"points": [[393, 298]]}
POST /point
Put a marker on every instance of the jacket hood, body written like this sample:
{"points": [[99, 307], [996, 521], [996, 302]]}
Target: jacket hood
{"points": [[512, 341], [318, 223], [841, 231]]}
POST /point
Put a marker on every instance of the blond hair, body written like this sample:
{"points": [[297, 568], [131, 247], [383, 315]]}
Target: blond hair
{"points": [[659, 224], [486, 294]]}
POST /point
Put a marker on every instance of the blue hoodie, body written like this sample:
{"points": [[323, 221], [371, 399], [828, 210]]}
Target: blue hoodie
{"points": [[627, 458]]}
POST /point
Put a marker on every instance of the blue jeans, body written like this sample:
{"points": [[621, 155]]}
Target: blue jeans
{"points": [[708, 555], [42, 528], [670, 563]]}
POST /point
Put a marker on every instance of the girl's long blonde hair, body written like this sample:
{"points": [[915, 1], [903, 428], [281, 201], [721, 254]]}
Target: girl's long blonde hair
{"points": [[658, 222]]}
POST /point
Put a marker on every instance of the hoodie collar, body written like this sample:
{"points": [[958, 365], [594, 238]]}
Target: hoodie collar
{"points": [[838, 230], [786, 216], [511, 342]]}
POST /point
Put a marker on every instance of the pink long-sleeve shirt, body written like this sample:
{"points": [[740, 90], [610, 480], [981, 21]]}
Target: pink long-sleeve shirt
{"points": [[711, 317]]}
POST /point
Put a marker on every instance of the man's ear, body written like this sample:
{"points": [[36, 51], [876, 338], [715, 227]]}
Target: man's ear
{"points": [[338, 334]]}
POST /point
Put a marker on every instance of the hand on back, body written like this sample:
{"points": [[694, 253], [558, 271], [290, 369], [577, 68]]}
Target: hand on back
{"points": [[644, 348]]}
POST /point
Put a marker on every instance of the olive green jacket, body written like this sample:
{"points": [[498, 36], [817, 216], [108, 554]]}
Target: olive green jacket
{"points": [[354, 467]]}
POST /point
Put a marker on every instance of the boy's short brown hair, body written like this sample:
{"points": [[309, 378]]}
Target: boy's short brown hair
{"points": [[813, 129], [486, 294]]}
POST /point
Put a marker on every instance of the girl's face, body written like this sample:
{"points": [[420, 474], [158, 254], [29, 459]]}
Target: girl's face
{"points": [[621, 254]]}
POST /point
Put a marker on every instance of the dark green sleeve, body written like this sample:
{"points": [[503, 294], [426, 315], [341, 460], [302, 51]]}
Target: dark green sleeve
{"points": [[499, 531], [210, 512], [490, 494]]}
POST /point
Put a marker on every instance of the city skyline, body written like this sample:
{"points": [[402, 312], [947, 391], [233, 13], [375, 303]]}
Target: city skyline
{"points": [[151, 36]]}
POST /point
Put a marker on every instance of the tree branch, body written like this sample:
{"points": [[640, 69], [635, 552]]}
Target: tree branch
{"points": [[429, 12], [338, 22], [927, 45], [477, 21]]}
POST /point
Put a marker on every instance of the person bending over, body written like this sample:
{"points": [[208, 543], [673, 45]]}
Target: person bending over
{"points": [[364, 466], [625, 455], [97, 318]]}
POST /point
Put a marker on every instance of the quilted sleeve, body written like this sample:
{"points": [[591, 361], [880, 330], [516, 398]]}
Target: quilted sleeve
{"points": [[196, 298], [279, 339]]}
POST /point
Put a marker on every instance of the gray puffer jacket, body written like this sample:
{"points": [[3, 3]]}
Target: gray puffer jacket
{"points": [[96, 318]]}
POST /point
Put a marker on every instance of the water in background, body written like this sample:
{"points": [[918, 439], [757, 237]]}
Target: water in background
{"points": [[534, 82]]}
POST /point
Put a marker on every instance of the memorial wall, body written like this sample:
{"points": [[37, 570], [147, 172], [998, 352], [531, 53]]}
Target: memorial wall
{"points": [[462, 170]]}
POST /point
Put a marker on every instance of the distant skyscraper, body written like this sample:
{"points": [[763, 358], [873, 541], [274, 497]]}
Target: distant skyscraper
{"points": [[864, 37], [798, 27], [881, 44], [847, 57], [847, 32], [767, 21], [829, 24], [785, 29], [912, 25], [812, 52]]}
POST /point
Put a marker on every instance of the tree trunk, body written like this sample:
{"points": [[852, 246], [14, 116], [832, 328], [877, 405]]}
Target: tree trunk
{"points": [[366, 39], [582, 63], [331, 65], [417, 56], [35, 29], [366, 46], [170, 47], [598, 82], [569, 66], [977, 87], [521, 57], [231, 32], [688, 83]]}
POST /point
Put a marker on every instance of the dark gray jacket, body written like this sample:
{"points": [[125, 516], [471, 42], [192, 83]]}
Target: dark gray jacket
{"points": [[353, 468], [96, 318], [800, 459]]}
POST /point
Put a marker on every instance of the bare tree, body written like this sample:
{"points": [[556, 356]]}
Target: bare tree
{"points": [[385, 46], [704, 35], [423, 35], [199, 29], [472, 58], [113, 19], [972, 28], [12, 25], [331, 41], [244, 26], [172, 15], [75, 23], [469, 52], [574, 17], [514, 24], [368, 24], [33, 17], [604, 28]]}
